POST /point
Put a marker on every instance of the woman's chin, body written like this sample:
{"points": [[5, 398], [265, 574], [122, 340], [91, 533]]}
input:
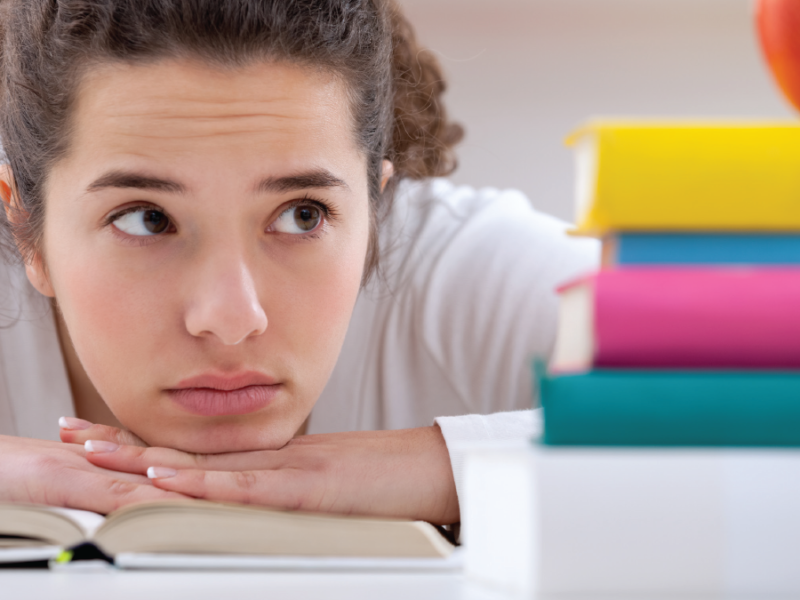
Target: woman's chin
{"points": [[218, 439]]}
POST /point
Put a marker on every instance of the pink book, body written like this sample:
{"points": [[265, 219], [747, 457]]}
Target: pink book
{"points": [[680, 317]]}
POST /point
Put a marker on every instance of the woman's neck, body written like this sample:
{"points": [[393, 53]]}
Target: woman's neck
{"points": [[86, 399]]}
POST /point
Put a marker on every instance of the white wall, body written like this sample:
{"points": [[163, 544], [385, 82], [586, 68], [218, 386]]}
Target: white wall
{"points": [[523, 73]]}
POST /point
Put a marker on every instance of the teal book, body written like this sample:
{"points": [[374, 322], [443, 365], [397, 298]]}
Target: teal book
{"points": [[671, 408]]}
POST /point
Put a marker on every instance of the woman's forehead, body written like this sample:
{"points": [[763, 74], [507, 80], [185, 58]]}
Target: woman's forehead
{"points": [[179, 106]]}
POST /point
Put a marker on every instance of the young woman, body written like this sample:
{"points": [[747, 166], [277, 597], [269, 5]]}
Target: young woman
{"points": [[232, 270]]}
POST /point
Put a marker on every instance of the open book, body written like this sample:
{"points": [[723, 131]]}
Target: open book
{"points": [[197, 534]]}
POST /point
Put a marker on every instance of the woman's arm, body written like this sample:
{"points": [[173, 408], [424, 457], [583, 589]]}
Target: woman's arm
{"points": [[403, 473]]}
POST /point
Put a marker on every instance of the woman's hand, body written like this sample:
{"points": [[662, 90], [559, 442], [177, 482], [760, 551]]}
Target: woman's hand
{"points": [[77, 431], [404, 473], [42, 472]]}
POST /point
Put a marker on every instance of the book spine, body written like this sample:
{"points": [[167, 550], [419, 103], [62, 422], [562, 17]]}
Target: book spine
{"points": [[672, 408], [705, 249], [697, 317]]}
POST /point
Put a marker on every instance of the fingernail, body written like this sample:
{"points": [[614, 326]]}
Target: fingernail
{"points": [[99, 446], [161, 472], [73, 423]]}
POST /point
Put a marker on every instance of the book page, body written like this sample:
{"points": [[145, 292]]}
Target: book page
{"points": [[89, 522], [193, 526]]}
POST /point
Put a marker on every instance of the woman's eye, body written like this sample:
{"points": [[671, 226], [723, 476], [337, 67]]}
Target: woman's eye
{"points": [[299, 219], [142, 222]]}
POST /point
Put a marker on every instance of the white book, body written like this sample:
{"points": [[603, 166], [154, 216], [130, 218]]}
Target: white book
{"points": [[548, 520]]}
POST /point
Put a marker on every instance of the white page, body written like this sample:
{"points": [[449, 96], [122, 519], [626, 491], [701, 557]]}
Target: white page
{"points": [[89, 522]]}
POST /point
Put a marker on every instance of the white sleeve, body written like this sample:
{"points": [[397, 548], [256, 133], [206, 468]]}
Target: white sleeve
{"points": [[489, 305], [491, 308], [460, 432]]}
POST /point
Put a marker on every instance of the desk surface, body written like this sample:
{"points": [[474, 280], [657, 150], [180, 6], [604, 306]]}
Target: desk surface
{"points": [[124, 585]]}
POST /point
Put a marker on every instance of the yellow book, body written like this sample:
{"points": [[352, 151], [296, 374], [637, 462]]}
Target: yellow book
{"points": [[684, 176]]}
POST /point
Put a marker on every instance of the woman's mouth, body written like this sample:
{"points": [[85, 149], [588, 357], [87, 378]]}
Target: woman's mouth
{"points": [[216, 396]]}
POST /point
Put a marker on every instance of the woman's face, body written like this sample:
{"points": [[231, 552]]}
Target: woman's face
{"points": [[204, 239]]}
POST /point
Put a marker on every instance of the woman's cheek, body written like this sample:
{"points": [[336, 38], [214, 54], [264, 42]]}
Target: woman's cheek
{"points": [[119, 325], [312, 314]]}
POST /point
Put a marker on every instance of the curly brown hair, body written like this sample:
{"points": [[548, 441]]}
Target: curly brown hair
{"points": [[395, 86]]}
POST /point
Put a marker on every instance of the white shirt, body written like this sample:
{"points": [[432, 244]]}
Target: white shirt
{"points": [[446, 330]]}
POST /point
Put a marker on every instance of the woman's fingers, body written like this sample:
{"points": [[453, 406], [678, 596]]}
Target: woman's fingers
{"points": [[78, 431], [104, 493], [285, 488], [135, 459], [56, 474]]}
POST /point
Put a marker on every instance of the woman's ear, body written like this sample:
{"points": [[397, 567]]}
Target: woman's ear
{"points": [[6, 179], [37, 275], [34, 265], [387, 170]]}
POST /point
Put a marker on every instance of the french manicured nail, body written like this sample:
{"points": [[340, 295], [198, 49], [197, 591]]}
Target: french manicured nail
{"points": [[73, 423], [99, 446], [161, 472]]}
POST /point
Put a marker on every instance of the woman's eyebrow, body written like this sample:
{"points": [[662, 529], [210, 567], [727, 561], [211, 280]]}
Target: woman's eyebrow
{"points": [[317, 178], [140, 181]]}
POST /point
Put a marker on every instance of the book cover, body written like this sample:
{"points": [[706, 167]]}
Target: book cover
{"points": [[695, 176], [676, 317], [671, 408]]}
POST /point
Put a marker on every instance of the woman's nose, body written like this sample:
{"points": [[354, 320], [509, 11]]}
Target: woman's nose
{"points": [[224, 303]]}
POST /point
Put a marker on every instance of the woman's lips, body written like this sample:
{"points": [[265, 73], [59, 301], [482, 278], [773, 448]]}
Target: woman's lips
{"points": [[212, 395], [216, 403]]}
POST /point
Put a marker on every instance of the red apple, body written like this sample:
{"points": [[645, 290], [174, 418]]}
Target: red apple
{"points": [[779, 29]]}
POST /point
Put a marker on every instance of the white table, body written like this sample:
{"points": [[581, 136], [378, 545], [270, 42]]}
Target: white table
{"points": [[149, 585], [125, 585]]}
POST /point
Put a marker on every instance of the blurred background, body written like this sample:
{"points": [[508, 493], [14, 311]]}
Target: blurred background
{"points": [[523, 73]]}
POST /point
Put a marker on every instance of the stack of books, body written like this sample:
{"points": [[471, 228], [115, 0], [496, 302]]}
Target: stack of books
{"points": [[690, 333], [671, 455]]}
